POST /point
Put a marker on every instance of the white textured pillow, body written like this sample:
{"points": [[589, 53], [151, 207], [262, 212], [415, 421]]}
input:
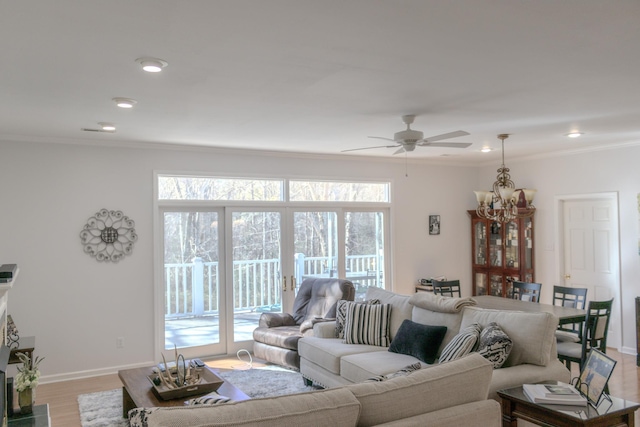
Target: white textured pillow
{"points": [[367, 324], [462, 344]]}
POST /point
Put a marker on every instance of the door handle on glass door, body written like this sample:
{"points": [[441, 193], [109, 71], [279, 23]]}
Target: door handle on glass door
{"points": [[284, 284], [293, 283]]}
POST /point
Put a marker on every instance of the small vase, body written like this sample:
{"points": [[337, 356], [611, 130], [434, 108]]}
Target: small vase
{"points": [[25, 401]]}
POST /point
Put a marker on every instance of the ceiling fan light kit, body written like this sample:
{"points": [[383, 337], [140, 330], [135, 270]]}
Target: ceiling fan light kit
{"points": [[501, 203]]}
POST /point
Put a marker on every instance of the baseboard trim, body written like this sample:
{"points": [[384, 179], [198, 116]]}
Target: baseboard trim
{"points": [[46, 379]]}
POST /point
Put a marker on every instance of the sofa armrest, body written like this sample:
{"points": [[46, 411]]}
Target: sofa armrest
{"points": [[273, 320], [325, 329]]}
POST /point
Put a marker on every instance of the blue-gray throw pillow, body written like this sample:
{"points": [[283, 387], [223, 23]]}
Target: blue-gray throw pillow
{"points": [[418, 340]]}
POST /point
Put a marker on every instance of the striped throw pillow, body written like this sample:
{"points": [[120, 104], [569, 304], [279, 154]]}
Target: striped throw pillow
{"points": [[341, 313], [462, 344], [367, 324]]}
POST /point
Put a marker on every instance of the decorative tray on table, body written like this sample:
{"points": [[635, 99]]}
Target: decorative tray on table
{"points": [[208, 382]]}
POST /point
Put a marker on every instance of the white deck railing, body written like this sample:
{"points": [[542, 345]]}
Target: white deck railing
{"points": [[193, 290]]}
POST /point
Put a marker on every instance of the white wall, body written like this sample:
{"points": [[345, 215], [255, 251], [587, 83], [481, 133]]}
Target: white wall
{"points": [[596, 172], [76, 306]]}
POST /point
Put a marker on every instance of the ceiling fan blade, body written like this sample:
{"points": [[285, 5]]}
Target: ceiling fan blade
{"points": [[382, 137], [399, 151], [446, 144], [369, 148], [446, 136]]}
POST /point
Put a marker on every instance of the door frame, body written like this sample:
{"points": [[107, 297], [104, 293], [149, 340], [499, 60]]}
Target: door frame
{"points": [[613, 197]]}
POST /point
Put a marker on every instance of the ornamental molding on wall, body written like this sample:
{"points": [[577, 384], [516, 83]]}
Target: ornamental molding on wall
{"points": [[108, 235]]}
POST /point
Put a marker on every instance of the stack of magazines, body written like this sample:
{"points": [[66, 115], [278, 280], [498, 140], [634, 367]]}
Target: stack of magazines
{"points": [[554, 394]]}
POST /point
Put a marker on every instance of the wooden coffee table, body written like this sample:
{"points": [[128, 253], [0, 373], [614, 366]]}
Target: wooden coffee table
{"points": [[137, 390]]}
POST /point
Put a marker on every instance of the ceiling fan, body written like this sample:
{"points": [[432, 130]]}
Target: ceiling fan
{"points": [[407, 140]]}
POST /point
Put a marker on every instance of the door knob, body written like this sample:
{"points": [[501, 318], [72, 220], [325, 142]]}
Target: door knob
{"points": [[567, 276]]}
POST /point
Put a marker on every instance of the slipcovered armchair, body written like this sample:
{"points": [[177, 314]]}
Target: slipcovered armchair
{"points": [[276, 337]]}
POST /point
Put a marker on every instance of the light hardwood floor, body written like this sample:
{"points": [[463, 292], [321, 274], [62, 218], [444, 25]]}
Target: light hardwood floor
{"points": [[63, 404]]}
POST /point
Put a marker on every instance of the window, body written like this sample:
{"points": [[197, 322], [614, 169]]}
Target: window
{"points": [[212, 188]]}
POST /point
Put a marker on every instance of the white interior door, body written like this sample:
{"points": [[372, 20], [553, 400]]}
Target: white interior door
{"points": [[591, 253]]}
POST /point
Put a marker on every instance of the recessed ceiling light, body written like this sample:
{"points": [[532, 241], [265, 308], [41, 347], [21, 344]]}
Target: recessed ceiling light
{"points": [[575, 134], [108, 127], [485, 149], [152, 65], [125, 102]]}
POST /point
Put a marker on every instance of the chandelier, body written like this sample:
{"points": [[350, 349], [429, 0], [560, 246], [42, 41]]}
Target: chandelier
{"points": [[505, 203]]}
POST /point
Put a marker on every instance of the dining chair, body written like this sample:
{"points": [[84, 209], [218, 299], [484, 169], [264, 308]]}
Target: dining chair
{"points": [[594, 335], [446, 288], [526, 291], [570, 297]]}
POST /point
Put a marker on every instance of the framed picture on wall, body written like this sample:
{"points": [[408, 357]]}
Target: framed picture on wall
{"points": [[434, 224]]}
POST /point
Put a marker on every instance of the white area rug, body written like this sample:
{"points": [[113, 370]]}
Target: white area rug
{"points": [[104, 409]]}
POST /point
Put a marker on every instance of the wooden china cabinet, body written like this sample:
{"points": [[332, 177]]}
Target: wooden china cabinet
{"points": [[500, 254]]}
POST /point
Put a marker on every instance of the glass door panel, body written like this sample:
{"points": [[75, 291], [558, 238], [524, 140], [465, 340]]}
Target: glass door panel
{"points": [[256, 269], [364, 250], [193, 315], [315, 241]]}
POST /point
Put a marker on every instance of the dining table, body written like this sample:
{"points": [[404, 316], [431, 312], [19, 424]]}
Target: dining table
{"points": [[565, 315]]}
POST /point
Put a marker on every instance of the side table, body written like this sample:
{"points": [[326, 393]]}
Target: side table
{"points": [[38, 418], [515, 405]]}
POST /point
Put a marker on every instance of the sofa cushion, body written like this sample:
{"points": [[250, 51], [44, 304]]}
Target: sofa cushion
{"points": [[360, 367], [462, 344], [400, 307], [330, 408], [494, 345], [532, 333], [436, 387], [418, 340], [327, 352], [367, 324]]}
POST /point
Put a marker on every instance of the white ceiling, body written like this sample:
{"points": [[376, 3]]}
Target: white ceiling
{"points": [[319, 76]]}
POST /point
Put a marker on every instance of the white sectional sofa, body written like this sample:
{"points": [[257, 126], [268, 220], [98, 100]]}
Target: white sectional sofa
{"points": [[331, 362], [451, 394]]}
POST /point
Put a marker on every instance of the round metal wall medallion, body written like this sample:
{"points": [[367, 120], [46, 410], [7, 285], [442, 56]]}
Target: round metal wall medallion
{"points": [[108, 235]]}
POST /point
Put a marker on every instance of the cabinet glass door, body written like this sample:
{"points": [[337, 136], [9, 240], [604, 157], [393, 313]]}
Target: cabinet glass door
{"points": [[480, 243], [511, 247], [481, 283], [495, 244], [528, 243], [496, 285]]}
